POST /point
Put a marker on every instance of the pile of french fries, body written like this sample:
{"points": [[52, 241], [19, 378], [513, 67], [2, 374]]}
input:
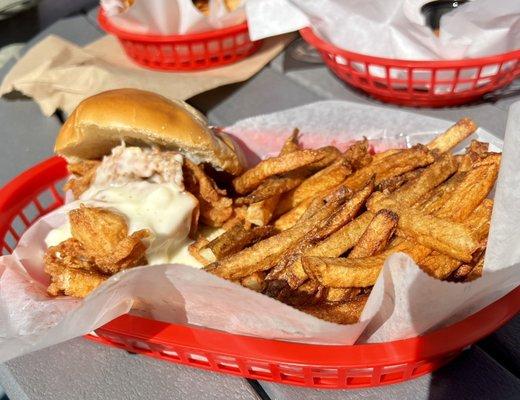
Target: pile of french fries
{"points": [[313, 228]]}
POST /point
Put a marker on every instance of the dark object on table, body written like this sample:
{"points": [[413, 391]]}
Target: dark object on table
{"points": [[434, 10]]}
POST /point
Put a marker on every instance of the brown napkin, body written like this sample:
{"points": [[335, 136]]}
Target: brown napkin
{"points": [[58, 74]]}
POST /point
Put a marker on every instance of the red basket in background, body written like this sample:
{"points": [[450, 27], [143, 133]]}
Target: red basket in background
{"points": [[36, 192], [190, 52], [418, 83]]}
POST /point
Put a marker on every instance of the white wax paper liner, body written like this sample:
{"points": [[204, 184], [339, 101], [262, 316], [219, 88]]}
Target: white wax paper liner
{"points": [[170, 17], [405, 302], [395, 28]]}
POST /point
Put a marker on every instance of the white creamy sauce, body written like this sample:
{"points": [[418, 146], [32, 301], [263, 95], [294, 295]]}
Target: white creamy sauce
{"points": [[156, 201]]}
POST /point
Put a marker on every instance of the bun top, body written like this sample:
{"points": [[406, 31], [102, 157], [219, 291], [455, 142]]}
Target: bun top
{"points": [[138, 117]]}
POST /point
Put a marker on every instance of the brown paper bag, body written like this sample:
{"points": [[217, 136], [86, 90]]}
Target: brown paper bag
{"points": [[58, 74]]}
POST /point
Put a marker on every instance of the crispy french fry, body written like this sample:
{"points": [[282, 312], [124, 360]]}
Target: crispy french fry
{"points": [[330, 155], [453, 136], [476, 272], [336, 295], [441, 266], [235, 239], [273, 187], [472, 190], [357, 155], [342, 216], [392, 184], [291, 143], [374, 240], [290, 218], [253, 177], [260, 256], [378, 157], [434, 200], [480, 219], [447, 237], [477, 150], [461, 273], [195, 251], [377, 235], [255, 281], [333, 246], [261, 213], [353, 272], [324, 180], [433, 175], [394, 164], [343, 313]]}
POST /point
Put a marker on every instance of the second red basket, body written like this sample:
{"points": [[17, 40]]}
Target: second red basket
{"points": [[418, 83], [190, 52]]}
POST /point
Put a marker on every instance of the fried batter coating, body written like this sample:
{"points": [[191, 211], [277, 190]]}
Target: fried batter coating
{"points": [[100, 247], [84, 173]]}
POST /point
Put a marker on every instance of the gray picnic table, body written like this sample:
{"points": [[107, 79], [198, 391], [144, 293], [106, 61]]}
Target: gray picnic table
{"points": [[80, 369]]}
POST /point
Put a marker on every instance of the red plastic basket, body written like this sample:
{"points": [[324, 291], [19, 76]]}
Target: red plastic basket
{"points": [[189, 52], [418, 83], [318, 366]]}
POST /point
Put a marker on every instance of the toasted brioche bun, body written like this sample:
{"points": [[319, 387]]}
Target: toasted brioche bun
{"points": [[101, 122]]}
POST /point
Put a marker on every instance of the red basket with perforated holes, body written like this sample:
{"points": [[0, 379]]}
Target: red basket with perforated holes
{"points": [[418, 83], [190, 52], [37, 191]]}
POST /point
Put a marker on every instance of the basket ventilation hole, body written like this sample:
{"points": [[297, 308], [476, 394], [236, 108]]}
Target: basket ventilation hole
{"points": [[261, 371], [198, 359], [171, 354], [228, 366], [31, 212], [359, 380]]}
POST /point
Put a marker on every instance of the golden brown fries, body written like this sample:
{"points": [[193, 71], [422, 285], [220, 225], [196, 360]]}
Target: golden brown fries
{"points": [[234, 240], [333, 246], [339, 216], [252, 178], [259, 256], [453, 136], [392, 165], [473, 189], [376, 236], [272, 187], [344, 313], [322, 181], [255, 281], [373, 241], [261, 212], [447, 237], [358, 155]]}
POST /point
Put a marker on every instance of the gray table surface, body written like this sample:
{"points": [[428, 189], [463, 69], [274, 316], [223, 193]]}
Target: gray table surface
{"points": [[80, 369]]}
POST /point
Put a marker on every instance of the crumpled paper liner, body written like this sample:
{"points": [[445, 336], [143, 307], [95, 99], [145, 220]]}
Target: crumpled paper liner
{"points": [[394, 28], [58, 74], [171, 17], [405, 302]]}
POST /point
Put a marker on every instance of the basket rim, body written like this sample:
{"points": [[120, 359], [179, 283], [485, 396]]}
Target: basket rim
{"points": [[312, 38], [104, 22], [441, 341]]}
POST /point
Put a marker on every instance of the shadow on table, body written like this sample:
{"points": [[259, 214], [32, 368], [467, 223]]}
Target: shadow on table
{"points": [[473, 375]]}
